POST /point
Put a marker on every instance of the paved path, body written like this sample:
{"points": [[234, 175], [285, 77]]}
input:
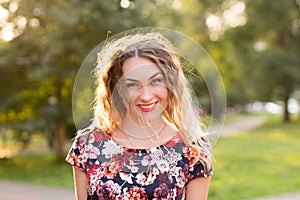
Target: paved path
{"points": [[291, 196], [20, 191], [242, 125]]}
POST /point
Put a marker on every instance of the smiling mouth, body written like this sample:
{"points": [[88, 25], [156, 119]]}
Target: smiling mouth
{"points": [[147, 107]]}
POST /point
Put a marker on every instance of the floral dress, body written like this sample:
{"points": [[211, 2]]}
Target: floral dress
{"points": [[115, 172]]}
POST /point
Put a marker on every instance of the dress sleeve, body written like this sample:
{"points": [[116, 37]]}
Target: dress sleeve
{"points": [[200, 162], [77, 155]]}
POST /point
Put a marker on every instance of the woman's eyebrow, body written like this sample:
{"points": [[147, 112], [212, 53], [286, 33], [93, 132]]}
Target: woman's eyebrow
{"points": [[151, 77], [158, 73], [130, 79]]}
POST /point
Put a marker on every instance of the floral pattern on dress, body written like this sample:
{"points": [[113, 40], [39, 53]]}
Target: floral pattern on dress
{"points": [[115, 172]]}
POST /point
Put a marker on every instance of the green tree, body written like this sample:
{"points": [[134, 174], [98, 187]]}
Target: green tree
{"points": [[267, 50], [43, 59]]}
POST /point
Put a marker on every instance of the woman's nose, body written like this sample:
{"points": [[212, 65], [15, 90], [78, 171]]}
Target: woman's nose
{"points": [[145, 92]]}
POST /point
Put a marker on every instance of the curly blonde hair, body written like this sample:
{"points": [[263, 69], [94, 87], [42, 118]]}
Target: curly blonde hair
{"points": [[109, 109]]}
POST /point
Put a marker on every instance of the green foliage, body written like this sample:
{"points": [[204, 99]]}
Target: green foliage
{"points": [[282, 68], [38, 68], [45, 57], [263, 55]]}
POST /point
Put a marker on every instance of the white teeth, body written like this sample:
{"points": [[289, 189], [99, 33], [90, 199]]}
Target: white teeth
{"points": [[148, 106]]}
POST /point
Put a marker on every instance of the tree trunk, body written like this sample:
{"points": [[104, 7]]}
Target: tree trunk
{"points": [[60, 122], [286, 114], [52, 135], [61, 138]]}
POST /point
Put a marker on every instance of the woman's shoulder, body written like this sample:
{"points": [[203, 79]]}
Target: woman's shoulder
{"points": [[174, 140], [91, 134]]}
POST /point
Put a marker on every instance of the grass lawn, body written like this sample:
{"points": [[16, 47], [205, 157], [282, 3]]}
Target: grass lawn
{"points": [[262, 162], [41, 169]]}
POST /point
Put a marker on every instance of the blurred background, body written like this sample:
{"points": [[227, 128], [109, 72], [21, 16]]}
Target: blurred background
{"points": [[255, 45]]}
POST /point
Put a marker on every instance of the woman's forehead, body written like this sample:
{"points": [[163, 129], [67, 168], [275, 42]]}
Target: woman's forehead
{"points": [[141, 68]]}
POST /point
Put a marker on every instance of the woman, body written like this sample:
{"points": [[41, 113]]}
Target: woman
{"points": [[146, 142]]}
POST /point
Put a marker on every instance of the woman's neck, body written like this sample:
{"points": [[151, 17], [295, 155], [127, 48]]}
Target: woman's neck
{"points": [[145, 130]]}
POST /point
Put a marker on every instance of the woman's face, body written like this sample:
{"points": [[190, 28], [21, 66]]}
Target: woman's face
{"points": [[144, 88]]}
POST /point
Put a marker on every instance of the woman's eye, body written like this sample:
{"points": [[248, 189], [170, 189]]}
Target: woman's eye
{"points": [[156, 81], [132, 85]]}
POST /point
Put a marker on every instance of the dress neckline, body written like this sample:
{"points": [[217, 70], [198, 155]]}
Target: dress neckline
{"points": [[129, 149]]}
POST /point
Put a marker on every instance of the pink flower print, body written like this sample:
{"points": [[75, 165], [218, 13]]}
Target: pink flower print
{"points": [[191, 154], [175, 140], [108, 191], [82, 140], [205, 158], [93, 176], [112, 168], [162, 165], [133, 169], [173, 157], [126, 177], [135, 193], [148, 160], [91, 138], [162, 192], [98, 136], [180, 178], [158, 153], [110, 149], [92, 151], [145, 179]]}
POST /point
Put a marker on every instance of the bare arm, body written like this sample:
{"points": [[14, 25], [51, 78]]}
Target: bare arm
{"points": [[81, 183], [197, 189]]}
